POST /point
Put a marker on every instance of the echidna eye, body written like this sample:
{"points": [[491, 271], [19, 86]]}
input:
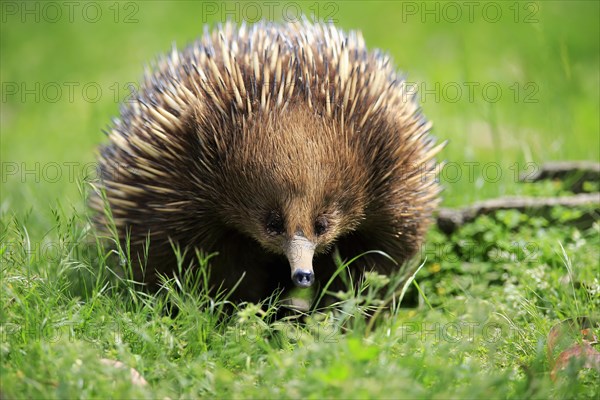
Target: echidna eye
{"points": [[321, 226], [274, 223]]}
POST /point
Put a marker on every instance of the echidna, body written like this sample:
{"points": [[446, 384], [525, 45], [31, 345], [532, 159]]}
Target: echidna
{"points": [[271, 144]]}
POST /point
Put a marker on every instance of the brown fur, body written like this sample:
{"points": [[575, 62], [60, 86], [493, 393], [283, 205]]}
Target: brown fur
{"points": [[297, 119]]}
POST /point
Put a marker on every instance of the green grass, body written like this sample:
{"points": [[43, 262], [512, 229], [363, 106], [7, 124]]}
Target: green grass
{"points": [[491, 292]]}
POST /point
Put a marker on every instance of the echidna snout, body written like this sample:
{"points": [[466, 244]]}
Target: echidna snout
{"points": [[300, 253]]}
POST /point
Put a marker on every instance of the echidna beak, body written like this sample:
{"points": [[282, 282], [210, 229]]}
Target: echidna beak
{"points": [[300, 253]]}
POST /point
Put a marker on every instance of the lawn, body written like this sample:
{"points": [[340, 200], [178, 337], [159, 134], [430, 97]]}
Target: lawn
{"points": [[510, 85]]}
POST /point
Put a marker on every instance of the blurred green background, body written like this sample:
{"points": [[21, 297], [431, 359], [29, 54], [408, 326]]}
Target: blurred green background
{"points": [[507, 83]]}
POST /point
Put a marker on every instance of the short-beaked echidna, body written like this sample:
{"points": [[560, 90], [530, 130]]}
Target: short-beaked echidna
{"points": [[271, 144]]}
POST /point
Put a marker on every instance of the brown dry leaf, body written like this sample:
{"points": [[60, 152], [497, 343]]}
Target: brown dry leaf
{"points": [[136, 377], [583, 351], [576, 336]]}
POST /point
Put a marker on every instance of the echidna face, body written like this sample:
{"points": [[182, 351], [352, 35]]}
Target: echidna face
{"points": [[298, 238], [303, 188], [296, 220], [301, 226]]}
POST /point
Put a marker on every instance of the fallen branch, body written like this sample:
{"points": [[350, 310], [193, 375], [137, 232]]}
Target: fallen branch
{"points": [[575, 173], [448, 220]]}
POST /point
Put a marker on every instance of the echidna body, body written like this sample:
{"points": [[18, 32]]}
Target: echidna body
{"points": [[272, 145]]}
